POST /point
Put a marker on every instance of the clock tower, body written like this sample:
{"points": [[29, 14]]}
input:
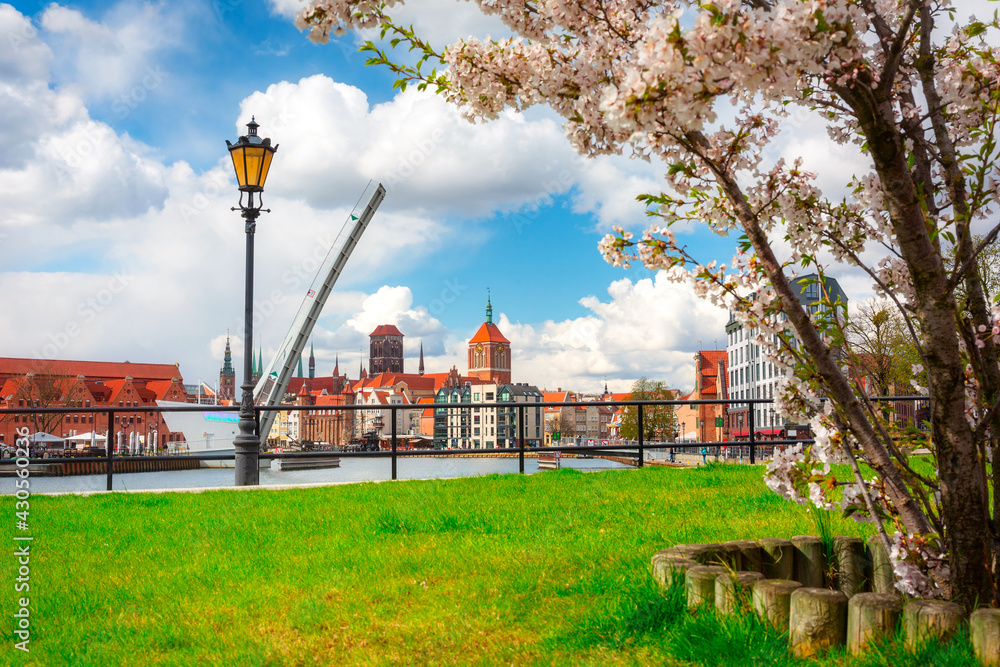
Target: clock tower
{"points": [[489, 352]]}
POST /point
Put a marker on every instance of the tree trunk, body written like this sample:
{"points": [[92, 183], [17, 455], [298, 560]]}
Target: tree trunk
{"points": [[962, 491]]}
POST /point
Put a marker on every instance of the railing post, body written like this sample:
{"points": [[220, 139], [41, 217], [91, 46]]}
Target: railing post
{"points": [[520, 438], [642, 449], [109, 447], [753, 442], [393, 441]]}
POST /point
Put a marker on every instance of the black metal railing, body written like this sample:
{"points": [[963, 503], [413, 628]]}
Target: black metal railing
{"points": [[637, 450]]}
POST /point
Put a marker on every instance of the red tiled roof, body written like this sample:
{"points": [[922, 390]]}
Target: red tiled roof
{"points": [[386, 330], [488, 333], [330, 399], [101, 392], [114, 386], [710, 361], [295, 385], [92, 370], [413, 381], [146, 394], [11, 386], [159, 388]]}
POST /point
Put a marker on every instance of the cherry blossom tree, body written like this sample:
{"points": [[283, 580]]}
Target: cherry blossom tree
{"points": [[705, 88]]}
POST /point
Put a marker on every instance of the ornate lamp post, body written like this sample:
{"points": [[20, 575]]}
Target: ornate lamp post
{"points": [[251, 160]]}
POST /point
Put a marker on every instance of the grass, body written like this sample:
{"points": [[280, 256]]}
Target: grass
{"points": [[544, 569]]}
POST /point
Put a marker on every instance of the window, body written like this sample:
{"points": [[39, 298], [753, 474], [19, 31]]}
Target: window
{"points": [[489, 396]]}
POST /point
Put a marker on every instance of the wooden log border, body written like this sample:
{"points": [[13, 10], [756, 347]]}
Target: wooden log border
{"points": [[863, 606]]}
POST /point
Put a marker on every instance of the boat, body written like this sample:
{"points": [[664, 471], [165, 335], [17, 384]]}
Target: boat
{"points": [[550, 460], [300, 463]]}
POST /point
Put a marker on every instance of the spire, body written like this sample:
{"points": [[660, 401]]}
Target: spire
{"points": [[420, 367], [312, 362], [361, 365], [605, 386], [336, 366], [299, 374], [227, 360], [489, 308], [260, 361]]}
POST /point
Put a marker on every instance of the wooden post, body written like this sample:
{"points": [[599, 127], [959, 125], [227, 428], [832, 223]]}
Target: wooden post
{"points": [[749, 557], [810, 563], [984, 625], [771, 599], [733, 592], [883, 578], [700, 584], [669, 570], [729, 556], [817, 621], [849, 554], [924, 619], [703, 553], [870, 616], [778, 558]]}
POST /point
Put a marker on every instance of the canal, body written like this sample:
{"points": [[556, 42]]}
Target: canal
{"points": [[350, 470]]}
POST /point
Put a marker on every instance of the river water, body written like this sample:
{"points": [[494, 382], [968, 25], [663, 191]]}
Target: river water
{"points": [[350, 470]]}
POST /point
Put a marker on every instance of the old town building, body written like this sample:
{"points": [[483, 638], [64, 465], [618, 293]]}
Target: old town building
{"points": [[489, 352], [124, 386]]}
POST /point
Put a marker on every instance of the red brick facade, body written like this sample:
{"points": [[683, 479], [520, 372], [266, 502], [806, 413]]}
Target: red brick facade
{"points": [[36, 383]]}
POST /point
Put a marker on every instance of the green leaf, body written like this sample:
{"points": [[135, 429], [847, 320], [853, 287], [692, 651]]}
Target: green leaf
{"points": [[974, 29]]}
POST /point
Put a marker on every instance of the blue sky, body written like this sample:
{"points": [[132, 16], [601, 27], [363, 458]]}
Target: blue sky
{"points": [[117, 167]]}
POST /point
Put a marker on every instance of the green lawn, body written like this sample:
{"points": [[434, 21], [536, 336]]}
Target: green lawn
{"points": [[551, 568]]}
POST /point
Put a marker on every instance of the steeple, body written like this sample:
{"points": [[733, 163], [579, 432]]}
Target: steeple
{"points": [[489, 308], [338, 387], [312, 362], [420, 367], [227, 360], [299, 374], [260, 361], [227, 376]]}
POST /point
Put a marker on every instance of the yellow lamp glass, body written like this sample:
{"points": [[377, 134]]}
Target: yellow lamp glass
{"points": [[251, 159]]}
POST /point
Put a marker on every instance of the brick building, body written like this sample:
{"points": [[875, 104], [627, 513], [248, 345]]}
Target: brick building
{"points": [[489, 352], [127, 387]]}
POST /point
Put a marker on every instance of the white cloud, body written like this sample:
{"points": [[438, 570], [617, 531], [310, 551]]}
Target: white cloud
{"points": [[648, 328], [331, 142], [23, 57], [112, 57], [608, 186]]}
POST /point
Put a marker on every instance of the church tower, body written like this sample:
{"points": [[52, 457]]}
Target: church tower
{"points": [[227, 375], [312, 362], [420, 367], [386, 350], [489, 352]]}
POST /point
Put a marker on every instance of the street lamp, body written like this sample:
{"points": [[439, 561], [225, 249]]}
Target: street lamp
{"points": [[251, 159]]}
